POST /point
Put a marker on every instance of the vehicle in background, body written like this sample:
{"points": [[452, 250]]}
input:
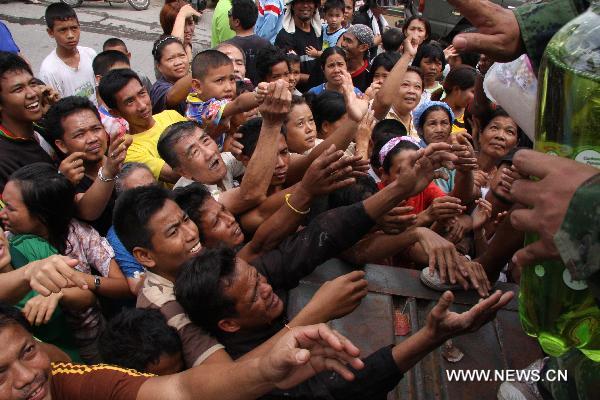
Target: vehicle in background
{"points": [[445, 20]]}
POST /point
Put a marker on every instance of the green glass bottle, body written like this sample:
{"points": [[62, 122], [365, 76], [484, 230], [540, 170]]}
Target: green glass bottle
{"points": [[559, 311]]}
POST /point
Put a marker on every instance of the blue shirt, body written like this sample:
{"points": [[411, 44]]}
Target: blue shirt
{"points": [[317, 90], [331, 39], [129, 265], [7, 42]]}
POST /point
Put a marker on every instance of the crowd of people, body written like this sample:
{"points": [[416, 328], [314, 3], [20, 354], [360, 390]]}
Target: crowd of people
{"points": [[152, 227]]}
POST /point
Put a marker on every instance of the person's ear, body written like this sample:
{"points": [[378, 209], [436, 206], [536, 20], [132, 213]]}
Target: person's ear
{"points": [[228, 325], [129, 55], [325, 129], [50, 32], [61, 146], [380, 172], [144, 257], [98, 77], [363, 47], [197, 87]]}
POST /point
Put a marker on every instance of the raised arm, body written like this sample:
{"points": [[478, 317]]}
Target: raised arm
{"points": [[259, 172], [355, 111], [298, 355], [91, 204], [327, 173], [387, 94]]}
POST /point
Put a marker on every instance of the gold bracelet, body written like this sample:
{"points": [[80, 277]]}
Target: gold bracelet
{"points": [[287, 201]]}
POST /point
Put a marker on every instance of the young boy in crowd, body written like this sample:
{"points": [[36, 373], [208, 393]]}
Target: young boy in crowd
{"points": [[68, 68], [332, 30], [293, 61], [119, 45], [271, 64], [213, 98], [103, 63], [140, 339]]}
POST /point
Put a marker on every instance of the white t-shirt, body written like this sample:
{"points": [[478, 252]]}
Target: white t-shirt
{"points": [[70, 81]]}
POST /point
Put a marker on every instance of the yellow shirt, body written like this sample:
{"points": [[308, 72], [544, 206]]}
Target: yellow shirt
{"points": [[410, 129], [143, 148], [459, 124]]}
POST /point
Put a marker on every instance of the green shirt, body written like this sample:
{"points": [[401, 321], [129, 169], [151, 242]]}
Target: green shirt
{"points": [[220, 23], [23, 250]]}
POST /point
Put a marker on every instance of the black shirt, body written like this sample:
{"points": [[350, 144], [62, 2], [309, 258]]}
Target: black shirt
{"points": [[361, 78], [101, 224], [298, 42], [16, 153], [296, 257], [250, 45]]}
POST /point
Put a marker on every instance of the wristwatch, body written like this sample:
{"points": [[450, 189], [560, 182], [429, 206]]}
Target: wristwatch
{"points": [[96, 282], [104, 178]]}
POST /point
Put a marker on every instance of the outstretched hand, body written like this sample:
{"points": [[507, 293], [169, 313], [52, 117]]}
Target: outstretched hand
{"points": [[331, 171], [355, 108], [277, 102], [498, 34], [307, 350], [547, 198], [52, 274], [443, 324]]}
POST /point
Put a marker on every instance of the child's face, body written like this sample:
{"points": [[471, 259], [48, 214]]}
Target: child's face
{"points": [[218, 83], [380, 75], [432, 68], [397, 160], [20, 98], [301, 129], [280, 70], [294, 76], [334, 19], [348, 10], [66, 33]]}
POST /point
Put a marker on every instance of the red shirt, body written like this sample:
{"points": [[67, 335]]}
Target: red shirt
{"points": [[424, 199]]}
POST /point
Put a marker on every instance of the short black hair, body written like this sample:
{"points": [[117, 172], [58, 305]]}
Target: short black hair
{"points": [[328, 52], [383, 131], [245, 11], [207, 60], [171, 136], [266, 58], [113, 42], [292, 58], [132, 213], [387, 60], [190, 199], [104, 61], [333, 5], [58, 12], [250, 131], [327, 106], [62, 109], [136, 338], [469, 58], [392, 39], [11, 315], [200, 285], [431, 51], [111, 83], [11, 62]]}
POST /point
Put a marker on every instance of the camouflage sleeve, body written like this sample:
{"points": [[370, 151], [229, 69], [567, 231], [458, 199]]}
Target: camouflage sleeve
{"points": [[578, 238], [539, 20]]}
